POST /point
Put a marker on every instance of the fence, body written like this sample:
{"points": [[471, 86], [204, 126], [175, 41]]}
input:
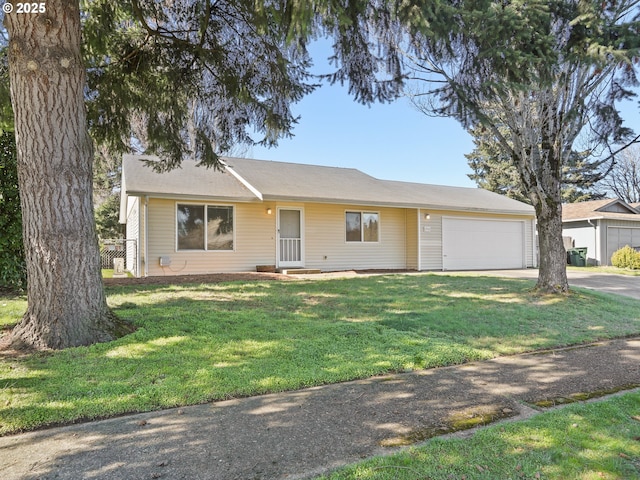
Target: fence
{"points": [[119, 248]]}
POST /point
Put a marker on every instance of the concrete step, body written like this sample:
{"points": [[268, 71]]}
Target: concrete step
{"points": [[298, 271]]}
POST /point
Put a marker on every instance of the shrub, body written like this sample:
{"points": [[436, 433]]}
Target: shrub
{"points": [[12, 264], [626, 257]]}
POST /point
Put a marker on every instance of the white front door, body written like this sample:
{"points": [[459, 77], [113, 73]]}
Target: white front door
{"points": [[290, 238]]}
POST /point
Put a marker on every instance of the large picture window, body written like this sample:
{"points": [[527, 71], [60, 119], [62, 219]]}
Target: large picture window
{"points": [[200, 226], [362, 226]]}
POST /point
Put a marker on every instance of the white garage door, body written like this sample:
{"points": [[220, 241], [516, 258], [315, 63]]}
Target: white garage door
{"points": [[473, 244]]}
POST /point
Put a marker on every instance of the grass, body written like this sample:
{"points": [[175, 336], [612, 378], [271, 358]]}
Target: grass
{"points": [[108, 273], [606, 269], [198, 343], [581, 442]]}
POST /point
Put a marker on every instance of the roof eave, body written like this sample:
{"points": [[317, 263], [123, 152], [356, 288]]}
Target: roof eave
{"points": [[583, 219], [190, 196], [368, 203]]}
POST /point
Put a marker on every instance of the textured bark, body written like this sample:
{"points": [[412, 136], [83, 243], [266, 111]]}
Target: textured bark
{"points": [[539, 141], [542, 174], [552, 275], [66, 301]]}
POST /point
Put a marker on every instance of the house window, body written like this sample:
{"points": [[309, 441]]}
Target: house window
{"points": [[200, 226], [362, 226]]}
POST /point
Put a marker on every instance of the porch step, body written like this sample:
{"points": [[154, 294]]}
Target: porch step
{"points": [[298, 271]]}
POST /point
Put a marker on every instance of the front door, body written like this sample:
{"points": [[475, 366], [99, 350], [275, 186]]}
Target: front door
{"points": [[290, 241]]}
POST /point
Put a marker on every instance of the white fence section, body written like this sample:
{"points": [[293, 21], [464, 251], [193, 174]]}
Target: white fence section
{"points": [[113, 249]]}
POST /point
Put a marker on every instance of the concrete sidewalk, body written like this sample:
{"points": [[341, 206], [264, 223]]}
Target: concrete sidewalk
{"points": [[301, 434]]}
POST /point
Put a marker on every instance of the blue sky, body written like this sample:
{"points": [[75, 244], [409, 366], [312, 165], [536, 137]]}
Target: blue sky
{"points": [[390, 141]]}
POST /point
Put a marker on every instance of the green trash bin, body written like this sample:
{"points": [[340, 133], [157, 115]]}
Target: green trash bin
{"points": [[582, 256], [573, 257], [577, 257]]}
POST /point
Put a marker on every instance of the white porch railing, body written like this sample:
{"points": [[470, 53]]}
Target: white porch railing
{"points": [[290, 250]]}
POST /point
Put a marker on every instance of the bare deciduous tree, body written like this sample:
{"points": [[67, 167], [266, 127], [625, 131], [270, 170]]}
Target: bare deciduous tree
{"points": [[623, 180]]}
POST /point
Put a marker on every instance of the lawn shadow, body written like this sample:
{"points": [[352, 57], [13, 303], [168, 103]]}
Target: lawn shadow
{"points": [[198, 343]]}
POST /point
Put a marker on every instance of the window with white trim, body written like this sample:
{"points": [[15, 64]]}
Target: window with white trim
{"points": [[362, 226], [204, 227]]}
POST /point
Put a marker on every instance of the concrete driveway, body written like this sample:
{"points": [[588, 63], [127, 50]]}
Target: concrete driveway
{"points": [[604, 282]]}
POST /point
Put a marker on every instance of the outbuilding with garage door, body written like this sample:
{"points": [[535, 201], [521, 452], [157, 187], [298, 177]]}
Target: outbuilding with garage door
{"points": [[602, 227]]}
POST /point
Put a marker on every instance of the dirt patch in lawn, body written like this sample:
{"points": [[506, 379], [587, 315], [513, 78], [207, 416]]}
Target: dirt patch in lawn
{"points": [[210, 278]]}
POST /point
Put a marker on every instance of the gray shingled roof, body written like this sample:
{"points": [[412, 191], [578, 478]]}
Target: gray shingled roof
{"points": [[309, 183], [187, 181], [593, 210]]}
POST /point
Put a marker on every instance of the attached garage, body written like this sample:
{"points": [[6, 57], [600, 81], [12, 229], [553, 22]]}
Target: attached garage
{"points": [[344, 219], [618, 237], [482, 244]]}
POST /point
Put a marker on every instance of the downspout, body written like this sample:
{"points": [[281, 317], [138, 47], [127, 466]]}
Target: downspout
{"points": [[146, 236], [419, 240], [595, 240], [534, 243]]}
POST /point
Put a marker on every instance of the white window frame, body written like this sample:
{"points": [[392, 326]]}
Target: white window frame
{"points": [[362, 213], [206, 220]]}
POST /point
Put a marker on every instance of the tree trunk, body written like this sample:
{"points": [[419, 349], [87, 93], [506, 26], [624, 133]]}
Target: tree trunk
{"points": [[545, 192], [552, 275], [66, 300]]}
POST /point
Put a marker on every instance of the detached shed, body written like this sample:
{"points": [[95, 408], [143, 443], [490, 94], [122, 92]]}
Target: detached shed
{"points": [[602, 226], [194, 220]]}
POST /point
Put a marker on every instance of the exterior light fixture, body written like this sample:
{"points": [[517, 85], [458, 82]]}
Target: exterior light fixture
{"points": [[268, 211], [427, 216]]}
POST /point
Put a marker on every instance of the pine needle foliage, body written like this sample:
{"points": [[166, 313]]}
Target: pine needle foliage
{"points": [[192, 79], [537, 78], [13, 275]]}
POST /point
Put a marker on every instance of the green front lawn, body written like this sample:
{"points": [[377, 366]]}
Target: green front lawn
{"points": [[197, 343], [581, 442]]}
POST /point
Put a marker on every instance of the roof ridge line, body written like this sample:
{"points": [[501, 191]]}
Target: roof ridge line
{"points": [[242, 180]]}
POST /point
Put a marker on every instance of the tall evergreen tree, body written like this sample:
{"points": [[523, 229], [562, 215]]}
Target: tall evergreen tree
{"points": [[538, 77], [12, 263], [495, 171], [225, 68]]}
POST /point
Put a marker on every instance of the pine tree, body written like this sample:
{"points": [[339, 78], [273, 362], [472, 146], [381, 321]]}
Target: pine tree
{"points": [[12, 266], [138, 73], [495, 171], [538, 77]]}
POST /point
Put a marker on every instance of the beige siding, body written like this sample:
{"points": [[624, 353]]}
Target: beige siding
{"points": [[254, 241], [431, 236], [133, 233], [532, 243], [327, 248], [255, 235], [412, 248], [407, 239], [430, 240]]}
